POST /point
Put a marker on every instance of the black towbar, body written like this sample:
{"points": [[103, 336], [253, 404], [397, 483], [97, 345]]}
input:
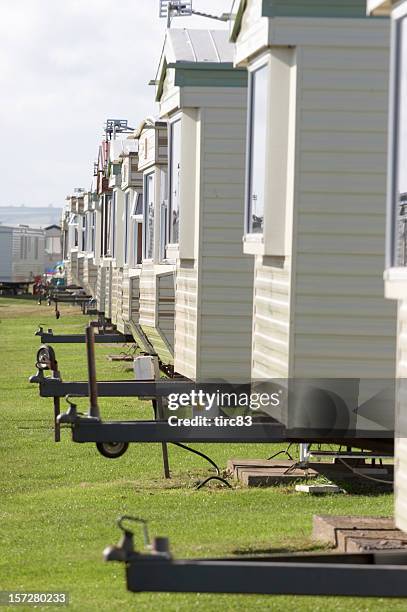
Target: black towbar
{"points": [[380, 574], [48, 337]]}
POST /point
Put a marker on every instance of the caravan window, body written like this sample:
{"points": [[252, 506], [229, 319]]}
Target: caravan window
{"points": [[399, 165], [175, 169], [163, 212], [92, 230], [149, 186], [113, 228], [83, 233], [126, 227], [256, 156], [107, 226], [136, 234], [73, 230]]}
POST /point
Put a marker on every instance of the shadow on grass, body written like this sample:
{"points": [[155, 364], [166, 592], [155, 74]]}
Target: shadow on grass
{"points": [[253, 551]]}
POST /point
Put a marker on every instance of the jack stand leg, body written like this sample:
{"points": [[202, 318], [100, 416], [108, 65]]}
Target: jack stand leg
{"points": [[57, 427], [304, 454], [158, 411]]}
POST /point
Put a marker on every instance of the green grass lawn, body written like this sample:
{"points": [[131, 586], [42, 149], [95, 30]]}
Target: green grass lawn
{"points": [[59, 502]]}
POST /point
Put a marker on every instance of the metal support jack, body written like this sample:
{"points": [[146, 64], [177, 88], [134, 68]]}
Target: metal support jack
{"points": [[381, 574], [102, 337]]}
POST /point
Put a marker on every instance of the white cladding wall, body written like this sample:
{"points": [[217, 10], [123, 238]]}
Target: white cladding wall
{"points": [[271, 316], [131, 297], [101, 288], [73, 268], [157, 304], [28, 253], [214, 293], [186, 318], [81, 269], [89, 275], [6, 251], [343, 325], [147, 295], [108, 289], [400, 485]]}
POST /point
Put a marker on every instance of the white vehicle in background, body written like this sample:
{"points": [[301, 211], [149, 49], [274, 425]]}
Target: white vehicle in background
{"points": [[22, 257]]}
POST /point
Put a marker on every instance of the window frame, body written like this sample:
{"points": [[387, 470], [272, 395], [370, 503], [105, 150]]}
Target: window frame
{"points": [[164, 216], [262, 64], [146, 177], [126, 228], [136, 219], [398, 16], [176, 119]]}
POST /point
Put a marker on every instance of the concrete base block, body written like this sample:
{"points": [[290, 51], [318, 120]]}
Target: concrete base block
{"points": [[317, 489]]}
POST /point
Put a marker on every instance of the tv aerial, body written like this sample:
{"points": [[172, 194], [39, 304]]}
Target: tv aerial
{"points": [[183, 8], [116, 126]]}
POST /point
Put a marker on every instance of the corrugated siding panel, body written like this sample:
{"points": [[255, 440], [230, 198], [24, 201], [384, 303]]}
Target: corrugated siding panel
{"points": [[271, 316], [6, 254], [343, 325], [131, 298], [101, 288], [153, 146], [186, 319], [80, 270], [73, 259], [33, 262], [108, 290], [157, 307], [226, 274], [401, 421], [148, 295], [117, 299], [89, 276], [166, 308]]}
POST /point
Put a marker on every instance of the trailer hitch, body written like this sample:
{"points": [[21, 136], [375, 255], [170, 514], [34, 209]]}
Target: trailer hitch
{"points": [[365, 574], [124, 551]]}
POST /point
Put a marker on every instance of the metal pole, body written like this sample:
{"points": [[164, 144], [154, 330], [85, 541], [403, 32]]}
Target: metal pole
{"points": [[92, 382], [57, 427], [158, 413]]}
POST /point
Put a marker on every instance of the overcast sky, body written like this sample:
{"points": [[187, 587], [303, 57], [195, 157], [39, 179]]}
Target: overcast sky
{"points": [[66, 66]]}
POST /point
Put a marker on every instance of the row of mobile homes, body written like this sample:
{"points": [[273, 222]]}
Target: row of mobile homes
{"points": [[120, 148], [396, 261], [299, 176], [315, 185], [203, 99], [73, 237], [22, 255], [132, 248], [103, 223], [157, 274], [88, 239]]}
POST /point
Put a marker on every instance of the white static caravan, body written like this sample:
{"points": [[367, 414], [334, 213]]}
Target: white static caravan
{"points": [[88, 243], [53, 246], [104, 235], [132, 187], [74, 238], [22, 254], [157, 277], [204, 99], [119, 148], [396, 257], [317, 122]]}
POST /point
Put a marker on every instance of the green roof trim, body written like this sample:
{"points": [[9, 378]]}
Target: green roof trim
{"points": [[314, 8], [220, 76], [303, 8], [204, 74]]}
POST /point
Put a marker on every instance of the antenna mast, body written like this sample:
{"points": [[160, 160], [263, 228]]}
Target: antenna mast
{"points": [[183, 8]]}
